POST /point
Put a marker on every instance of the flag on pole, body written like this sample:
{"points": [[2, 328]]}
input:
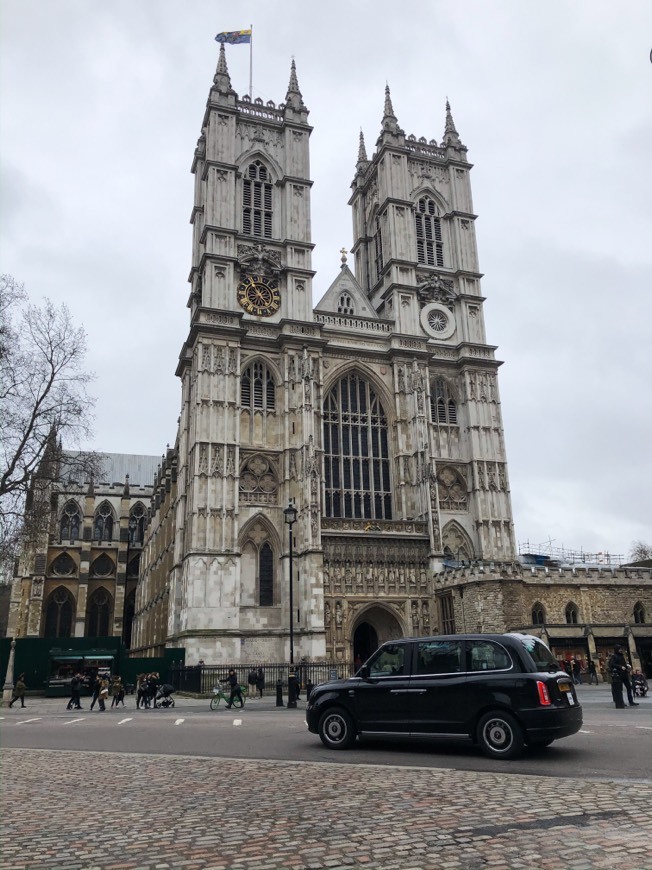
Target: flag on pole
{"points": [[234, 37]]}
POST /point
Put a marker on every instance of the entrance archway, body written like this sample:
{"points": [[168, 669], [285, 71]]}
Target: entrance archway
{"points": [[376, 625]]}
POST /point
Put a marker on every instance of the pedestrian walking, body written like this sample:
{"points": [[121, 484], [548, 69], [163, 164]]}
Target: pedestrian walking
{"points": [[117, 690], [152, 688], [620, 677], [75, 692], [593, 674], [141, 691], [260, 682], [251, 683], [96, 685], [19, 691], [577, 672], [103, 695]]}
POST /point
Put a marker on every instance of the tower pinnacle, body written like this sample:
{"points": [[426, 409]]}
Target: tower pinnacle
{"points": [[389, 122], [222, 78], [293, 97], [451, 136], [362, 151]]}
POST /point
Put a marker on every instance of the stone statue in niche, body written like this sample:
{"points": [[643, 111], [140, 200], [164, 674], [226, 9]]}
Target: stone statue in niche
{"points": [[327, 615], [425, 617], [415, 616], [338, 614]]}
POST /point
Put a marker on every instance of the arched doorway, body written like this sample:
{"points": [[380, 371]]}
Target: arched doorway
{"points": [[375, 626]]}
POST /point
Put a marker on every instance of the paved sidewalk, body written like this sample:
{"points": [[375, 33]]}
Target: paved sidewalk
{"points": [[110, 811]]}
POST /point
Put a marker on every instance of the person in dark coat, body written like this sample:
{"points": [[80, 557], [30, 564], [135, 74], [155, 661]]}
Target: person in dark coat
{"points": [[19, 691], [251, 682], [260, 681], [96, 685], [234, 685], [619, 678], [75, 692]]}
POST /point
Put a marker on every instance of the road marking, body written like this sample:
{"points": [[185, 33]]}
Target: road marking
{"points": [[237, 721], [179, 721], [644, 727], [70, 721], [122, 721], [25, 721], [583, 731]]}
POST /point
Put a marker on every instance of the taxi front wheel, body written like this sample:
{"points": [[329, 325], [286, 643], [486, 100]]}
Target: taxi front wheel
{"points": [[336, 729]]}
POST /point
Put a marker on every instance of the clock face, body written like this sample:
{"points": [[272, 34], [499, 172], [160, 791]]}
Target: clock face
{"points": [[259, 296]]}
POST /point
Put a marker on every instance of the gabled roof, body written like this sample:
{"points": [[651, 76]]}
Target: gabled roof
{"points": [[346, 283]]}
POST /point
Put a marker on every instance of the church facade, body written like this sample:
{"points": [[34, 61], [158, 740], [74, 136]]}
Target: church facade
{"points": [[376, 414]]}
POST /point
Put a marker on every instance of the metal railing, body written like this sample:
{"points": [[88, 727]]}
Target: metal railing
{"points": [[201, 679]]}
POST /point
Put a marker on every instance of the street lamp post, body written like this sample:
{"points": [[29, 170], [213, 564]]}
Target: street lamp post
{"points": [[290, 514]]}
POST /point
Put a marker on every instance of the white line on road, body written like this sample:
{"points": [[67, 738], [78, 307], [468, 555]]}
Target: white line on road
{"points": [[179, 721], [122, 721], [643, 727], [70, 721], [583, 731], [25, 721], [237, 721]]}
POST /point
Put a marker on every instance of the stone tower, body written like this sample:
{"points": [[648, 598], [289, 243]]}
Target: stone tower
{"points": [[376, 414]]}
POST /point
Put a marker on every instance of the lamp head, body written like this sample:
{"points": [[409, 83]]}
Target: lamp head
{"points": [[290, 513]]}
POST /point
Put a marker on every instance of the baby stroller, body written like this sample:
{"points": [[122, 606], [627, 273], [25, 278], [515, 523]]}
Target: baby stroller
{"points": [[164, 696]]}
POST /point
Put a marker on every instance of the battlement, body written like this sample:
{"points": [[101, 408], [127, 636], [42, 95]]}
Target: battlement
{"points": [[482, 571]]}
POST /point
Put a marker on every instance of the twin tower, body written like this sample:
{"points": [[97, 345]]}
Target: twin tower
{"points": [[375, 413]]}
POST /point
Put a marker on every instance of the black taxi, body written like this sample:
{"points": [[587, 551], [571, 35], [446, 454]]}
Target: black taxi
{"points": [[501, 691]]}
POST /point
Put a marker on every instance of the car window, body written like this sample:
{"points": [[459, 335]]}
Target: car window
{"points": [[439, 657], [538, 651], [484, 655], [389, 662]]}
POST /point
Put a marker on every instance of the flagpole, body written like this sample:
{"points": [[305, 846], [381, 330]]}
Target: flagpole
{"points": [[251, 62]]}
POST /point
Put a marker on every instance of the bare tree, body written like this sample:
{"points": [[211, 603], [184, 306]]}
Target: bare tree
{"points": [[639, 551], [43, 401]]}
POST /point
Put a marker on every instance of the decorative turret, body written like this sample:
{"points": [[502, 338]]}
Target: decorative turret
{"points": [[293, 98], [390, 127], [451, 137], [222, 79], [362, 151]]}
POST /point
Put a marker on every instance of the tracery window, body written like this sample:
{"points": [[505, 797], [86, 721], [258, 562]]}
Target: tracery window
{"points": [[356, 452], [639, 613], [345, 304], [103, 523], [572, 613], [102, 566], [452, 490], [70, 522], [443, 409], [538, 614], [257, 388], [430, 244], [257, 202], [63, 565], [98, 613], [137, 524], [59, 613]]}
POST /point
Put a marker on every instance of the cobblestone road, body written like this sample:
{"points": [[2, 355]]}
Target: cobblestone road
{"points": [[107, 811]]}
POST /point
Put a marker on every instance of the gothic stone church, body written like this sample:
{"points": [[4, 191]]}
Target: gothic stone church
{"points": [[376, 414]]}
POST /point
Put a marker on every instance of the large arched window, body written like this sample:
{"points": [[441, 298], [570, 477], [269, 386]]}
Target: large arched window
{"points": [[443, 409], [59, 613], [257, 202], [356, 452], [430, 244], [103, 523], [265, 576], [70, 522], [257, 388], [258, 567], [98, 613], [572, 613], [538, 614]]}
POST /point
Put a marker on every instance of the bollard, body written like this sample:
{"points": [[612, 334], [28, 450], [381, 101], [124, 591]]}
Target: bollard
{"points": [[279, 694], [292, 690]]}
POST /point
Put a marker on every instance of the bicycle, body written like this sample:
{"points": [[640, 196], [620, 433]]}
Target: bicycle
{"points": [[219, 694]]}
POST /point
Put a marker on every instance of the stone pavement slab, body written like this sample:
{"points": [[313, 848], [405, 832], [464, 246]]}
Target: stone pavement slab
{"points": [[66, 810]]}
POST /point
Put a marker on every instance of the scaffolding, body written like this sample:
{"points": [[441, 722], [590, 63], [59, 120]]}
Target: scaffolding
{"points": [[560, 555]]}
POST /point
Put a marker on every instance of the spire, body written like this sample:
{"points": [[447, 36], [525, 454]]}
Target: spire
{"points": [[293, 97], [222, 78], [362, 151], [451, 136], [389, 123]]}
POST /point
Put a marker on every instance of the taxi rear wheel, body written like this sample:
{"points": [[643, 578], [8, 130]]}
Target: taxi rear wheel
{"points": [[500, 736], [336, 729]]}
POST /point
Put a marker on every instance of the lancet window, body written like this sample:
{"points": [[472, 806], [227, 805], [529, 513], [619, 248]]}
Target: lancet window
{"points": [[103, 523], [70, 522], [572, 613], [257, 201], [538, 614], [639, 613], [257, 388], [59, 613], [430, 243], [443, 408], [98, 614], [356, 452], [345, 304]]}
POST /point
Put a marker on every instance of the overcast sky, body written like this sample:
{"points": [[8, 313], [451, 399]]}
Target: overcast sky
{"points": [[101, 106]]}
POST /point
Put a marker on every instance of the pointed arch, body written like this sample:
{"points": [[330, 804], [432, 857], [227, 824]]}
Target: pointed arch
{"points": [[59, 613], [63, 565], [456, 542], [137, 517], [538, 613], [639, 613], [103, 566], [260, 547], [443, 401], [258, 382], [257, 185], [99, 613], [70, 522], [572, 613], [103, 523], [357, 460], [452, 490], [258, 482]]}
